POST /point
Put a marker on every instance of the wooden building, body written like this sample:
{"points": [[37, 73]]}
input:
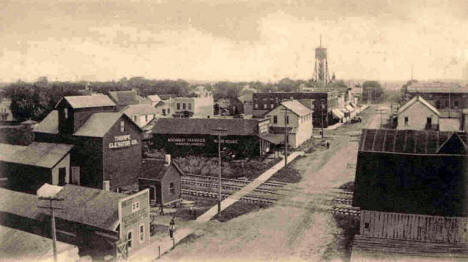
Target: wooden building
{"points": [[163, 179], [89, 218], [409, 171], [296, 117], [29, 167], [107, 149], [243, 137], [418, 114]]}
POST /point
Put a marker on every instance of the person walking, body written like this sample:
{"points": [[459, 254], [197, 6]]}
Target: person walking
{"points": [[172, 227]]}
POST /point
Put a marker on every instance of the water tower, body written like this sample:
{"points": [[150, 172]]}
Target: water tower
{"points": [[321, 64]]}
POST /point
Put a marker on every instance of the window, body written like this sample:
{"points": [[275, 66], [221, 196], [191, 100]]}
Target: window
{"points": [[142, 233], [122, 126], [275, 119], [189, 106], [429, 121], [146, 118], [135, 206], [456, 104], [272, 105], [256, 106], [183, 106], [168, 110], [164, 112], [178, 106], [66, 113], [265, 106], [129, 239], [172, 188], [438, 104], [406, 120], [366, 225], [287, 120]]}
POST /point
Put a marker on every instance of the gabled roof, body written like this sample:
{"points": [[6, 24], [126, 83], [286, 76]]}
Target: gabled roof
{"points": [[154, 98], [296, 107], [100, 123], [49, 124], [418, 99], [89, 206], [124, 97], [405, 141], [205, 126], [20, 204], [45, 155], [453, 145], [87, 101], [140, 109], [156, 169]]}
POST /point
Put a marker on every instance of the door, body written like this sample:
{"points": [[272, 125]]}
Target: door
{"points": [[153, 195], [62, 175]]}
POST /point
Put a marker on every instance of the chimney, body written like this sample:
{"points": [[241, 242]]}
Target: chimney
{"points": [[167, 160]]}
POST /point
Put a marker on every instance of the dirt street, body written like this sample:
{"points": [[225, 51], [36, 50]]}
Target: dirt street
{"points": [[305, 232]]}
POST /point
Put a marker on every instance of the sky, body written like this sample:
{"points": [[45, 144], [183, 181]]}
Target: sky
{"points": [[244, 40]]}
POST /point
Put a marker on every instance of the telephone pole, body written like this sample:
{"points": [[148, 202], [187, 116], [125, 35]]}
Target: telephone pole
{"points": [[52, 208], [322, 108], [219, 131], [286, 120]]}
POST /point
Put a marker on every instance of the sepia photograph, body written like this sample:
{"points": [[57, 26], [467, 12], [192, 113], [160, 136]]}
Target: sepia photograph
{"points": [[233, 130]]}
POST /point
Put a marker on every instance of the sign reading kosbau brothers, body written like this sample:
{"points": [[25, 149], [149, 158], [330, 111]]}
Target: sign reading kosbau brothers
{"points": [[182, 141], [123, 141]]}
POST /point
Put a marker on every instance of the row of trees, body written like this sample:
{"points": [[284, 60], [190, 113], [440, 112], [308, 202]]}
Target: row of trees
{"points": [[35, 100]]}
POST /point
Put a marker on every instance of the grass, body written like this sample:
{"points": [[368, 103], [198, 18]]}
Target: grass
{"points": [[287, 174], [237, 209], [311, 145]]}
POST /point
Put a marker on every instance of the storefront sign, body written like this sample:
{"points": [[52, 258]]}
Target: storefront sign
{"points": [[134, 211], [182, 141], [123, 141], [227, 141]]}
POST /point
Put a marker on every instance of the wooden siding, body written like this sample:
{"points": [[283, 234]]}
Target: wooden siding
{"points": [[414, 227]]}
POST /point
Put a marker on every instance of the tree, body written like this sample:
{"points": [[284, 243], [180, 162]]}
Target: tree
{"points": [[373, 91]]}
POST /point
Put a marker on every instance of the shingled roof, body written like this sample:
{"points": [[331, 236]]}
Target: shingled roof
{"points": [[156, 169], [45, 155], [94, 207], [49, 124], [296, 107], [124, 97], [87, 101], [412, 141], [420, 100], [205, 126], [99, 124]]}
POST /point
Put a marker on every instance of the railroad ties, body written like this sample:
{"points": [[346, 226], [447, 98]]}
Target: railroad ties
{"points": [[206, 187]]}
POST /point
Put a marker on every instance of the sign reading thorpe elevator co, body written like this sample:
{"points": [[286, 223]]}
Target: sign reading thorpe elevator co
{"points": [[123, 141]]}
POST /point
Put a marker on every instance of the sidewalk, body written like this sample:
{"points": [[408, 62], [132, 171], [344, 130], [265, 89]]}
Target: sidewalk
{"points": [[150, 253]]}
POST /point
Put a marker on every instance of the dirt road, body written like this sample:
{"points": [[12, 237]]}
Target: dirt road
{"points": [[305, 232]]}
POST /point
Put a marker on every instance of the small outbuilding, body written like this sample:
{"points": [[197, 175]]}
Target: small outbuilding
{"points": [[163, 178], [418, 114]]}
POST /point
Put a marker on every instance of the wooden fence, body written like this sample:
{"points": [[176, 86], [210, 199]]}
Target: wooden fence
{"points": [[414, 227]]}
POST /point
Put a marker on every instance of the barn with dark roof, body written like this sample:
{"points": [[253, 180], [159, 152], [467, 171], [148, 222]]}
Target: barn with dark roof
{"points": [[409, 171]]}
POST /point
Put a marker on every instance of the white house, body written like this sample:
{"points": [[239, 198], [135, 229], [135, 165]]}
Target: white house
{"points": [[141, 114], [418, 114], [154, 99], [296, 117]]}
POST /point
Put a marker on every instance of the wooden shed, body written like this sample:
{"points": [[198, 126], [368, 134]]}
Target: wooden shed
{"points": [[163, 178]]}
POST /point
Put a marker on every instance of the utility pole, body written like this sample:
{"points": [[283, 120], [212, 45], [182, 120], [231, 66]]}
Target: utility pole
{"points": [[322, 107], [51, 207], [285, 136], [219, 132]]}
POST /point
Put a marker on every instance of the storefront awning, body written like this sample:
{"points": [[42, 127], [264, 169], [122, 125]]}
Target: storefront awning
{"points": [[275, 139], [337, 113]]}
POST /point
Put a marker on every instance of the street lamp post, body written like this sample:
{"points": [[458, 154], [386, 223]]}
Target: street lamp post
{"points": [[219, 132], [52, 209]]}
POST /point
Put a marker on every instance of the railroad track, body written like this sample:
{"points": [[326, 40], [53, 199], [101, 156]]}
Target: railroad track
{"points": [[241, 182], [213, 195], [191, 184]]}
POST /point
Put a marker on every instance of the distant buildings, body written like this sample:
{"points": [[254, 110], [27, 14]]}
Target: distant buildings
{"points": [[141, 114], [320, 102]]}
